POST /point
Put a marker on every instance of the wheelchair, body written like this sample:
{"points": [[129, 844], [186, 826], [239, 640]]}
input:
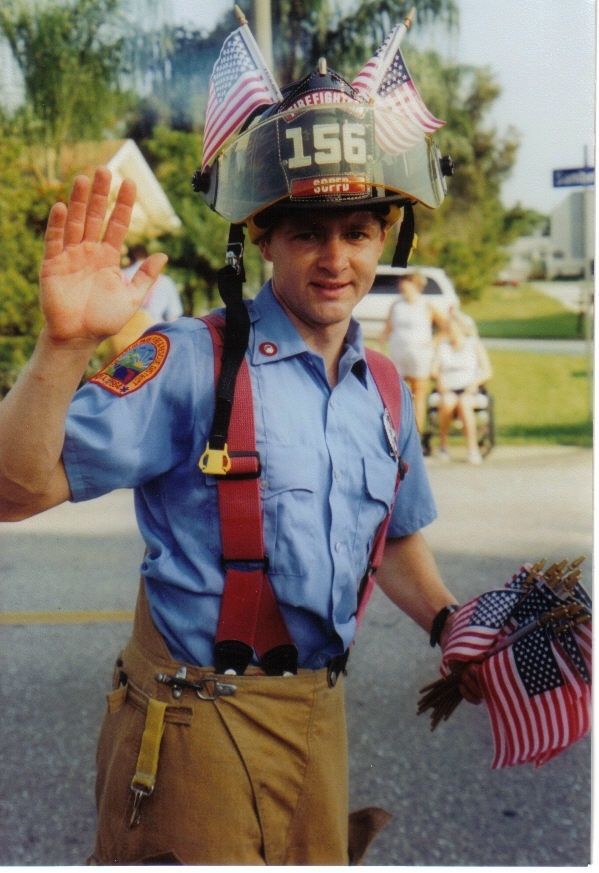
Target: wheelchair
{"points": [[484, 414]]}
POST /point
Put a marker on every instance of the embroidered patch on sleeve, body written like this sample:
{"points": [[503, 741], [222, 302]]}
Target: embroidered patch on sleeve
{"points": [[135, 366]]}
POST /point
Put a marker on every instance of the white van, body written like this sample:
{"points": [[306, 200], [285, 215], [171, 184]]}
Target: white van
{"points": [[373, 309]]}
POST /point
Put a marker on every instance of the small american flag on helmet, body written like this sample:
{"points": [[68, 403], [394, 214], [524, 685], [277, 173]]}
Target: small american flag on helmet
{"points": [[386, 82], [240, 83]]}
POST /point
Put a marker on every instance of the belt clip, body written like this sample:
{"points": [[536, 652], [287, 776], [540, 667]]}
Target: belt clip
{"points": [[208, 688], [142, 784], [337, 667], [139, 794], [211, 688]]}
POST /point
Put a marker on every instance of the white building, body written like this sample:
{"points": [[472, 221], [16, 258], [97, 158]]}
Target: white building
{"points": [[569, 249]]}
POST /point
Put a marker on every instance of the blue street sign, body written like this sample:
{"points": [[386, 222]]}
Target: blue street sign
{"points": [[575, 177]]}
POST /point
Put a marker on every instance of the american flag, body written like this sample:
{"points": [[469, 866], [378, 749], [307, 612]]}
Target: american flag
{"points": [[239, 84], [536, 677], [385, 81], [538, 694]]}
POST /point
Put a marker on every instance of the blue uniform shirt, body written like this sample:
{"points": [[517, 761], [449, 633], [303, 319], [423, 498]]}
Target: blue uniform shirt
{"points": [[327, 475]]}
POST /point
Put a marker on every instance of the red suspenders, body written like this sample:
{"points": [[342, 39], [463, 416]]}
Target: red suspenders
{"points": [[385, 376], [250, 618]]}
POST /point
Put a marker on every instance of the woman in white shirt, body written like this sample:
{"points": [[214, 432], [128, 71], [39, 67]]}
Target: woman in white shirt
{"points": [[409, 332]]}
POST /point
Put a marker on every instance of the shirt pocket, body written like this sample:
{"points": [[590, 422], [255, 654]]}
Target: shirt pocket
{"points": [[379, 477], [295, 503]]}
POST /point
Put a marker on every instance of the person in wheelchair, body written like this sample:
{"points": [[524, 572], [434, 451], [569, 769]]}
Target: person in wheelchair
{"points": [[460, 366]]}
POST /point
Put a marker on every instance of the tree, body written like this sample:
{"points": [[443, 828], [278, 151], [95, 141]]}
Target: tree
{"points": [[305, 30], [70, 57], [24, 207], [466, 234]]}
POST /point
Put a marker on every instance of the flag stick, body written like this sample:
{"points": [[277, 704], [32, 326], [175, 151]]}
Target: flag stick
{"points": [[240, 16], [395, 38], [257, 55]]}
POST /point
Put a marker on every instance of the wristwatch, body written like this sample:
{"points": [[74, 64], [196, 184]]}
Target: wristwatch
{"points": [[439, 623]]}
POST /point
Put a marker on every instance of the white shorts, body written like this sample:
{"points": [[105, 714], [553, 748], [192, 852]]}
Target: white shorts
{"points": [[413, 361]]}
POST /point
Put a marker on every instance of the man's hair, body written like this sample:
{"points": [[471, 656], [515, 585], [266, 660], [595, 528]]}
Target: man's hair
{"points": [[269, 218]]}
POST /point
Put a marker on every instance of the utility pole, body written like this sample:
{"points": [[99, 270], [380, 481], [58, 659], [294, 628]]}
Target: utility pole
{"points": [[263, 25]]}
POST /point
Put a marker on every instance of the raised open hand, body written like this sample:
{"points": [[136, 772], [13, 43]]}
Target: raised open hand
{"points": [[83, 295]]}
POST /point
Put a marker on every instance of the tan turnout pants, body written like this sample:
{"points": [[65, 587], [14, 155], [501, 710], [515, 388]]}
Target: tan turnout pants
{"points": [[259, 777]]}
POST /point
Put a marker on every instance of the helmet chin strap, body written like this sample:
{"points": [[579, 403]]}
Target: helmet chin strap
{"points": [[406, 239], [237, 330]]}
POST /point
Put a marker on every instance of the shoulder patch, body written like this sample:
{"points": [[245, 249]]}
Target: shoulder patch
{"points": [[135, 366]]}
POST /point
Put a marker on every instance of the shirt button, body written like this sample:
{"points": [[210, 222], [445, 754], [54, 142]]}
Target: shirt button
{"points": [[338, 547]]}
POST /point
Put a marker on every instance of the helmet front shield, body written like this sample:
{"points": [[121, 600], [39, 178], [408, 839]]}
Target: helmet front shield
{"points": [[330, 154]]}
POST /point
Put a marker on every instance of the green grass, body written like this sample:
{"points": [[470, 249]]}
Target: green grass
{"points": [[522, 312], [541, 398]]}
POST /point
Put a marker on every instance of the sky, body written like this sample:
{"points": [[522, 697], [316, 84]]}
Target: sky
{"points": [[542, 54]]}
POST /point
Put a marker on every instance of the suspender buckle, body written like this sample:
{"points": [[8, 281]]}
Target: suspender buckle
{"points": [[215, 462], [234, 465], [245, 465]]}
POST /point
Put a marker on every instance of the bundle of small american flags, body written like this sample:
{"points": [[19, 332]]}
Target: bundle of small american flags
{"points": [[532, 640]]}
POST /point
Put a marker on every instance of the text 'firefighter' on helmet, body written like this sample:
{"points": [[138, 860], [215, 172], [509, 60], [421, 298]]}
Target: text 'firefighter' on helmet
{"points": [[323, 145]]}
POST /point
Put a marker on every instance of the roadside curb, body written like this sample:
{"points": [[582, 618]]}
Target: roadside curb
{"points": [[504, 454]]}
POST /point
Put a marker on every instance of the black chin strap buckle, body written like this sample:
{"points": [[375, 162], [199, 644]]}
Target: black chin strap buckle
{"points": [[234, 254], [234, 257]]}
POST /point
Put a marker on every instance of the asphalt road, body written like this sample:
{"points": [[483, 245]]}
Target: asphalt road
{"points": [[449, 808]]}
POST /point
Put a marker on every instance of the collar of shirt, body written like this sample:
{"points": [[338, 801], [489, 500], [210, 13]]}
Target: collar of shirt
{"points": [[275, 337]]}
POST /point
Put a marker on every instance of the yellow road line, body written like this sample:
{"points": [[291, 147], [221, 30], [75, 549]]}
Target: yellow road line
{"points": [[65, 616]]}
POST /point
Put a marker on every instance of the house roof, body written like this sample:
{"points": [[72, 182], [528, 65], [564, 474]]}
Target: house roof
{"points": [[153, 214]]}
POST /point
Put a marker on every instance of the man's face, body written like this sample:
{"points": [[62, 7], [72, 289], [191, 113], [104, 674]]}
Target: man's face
{"points": [[323, 262]]}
